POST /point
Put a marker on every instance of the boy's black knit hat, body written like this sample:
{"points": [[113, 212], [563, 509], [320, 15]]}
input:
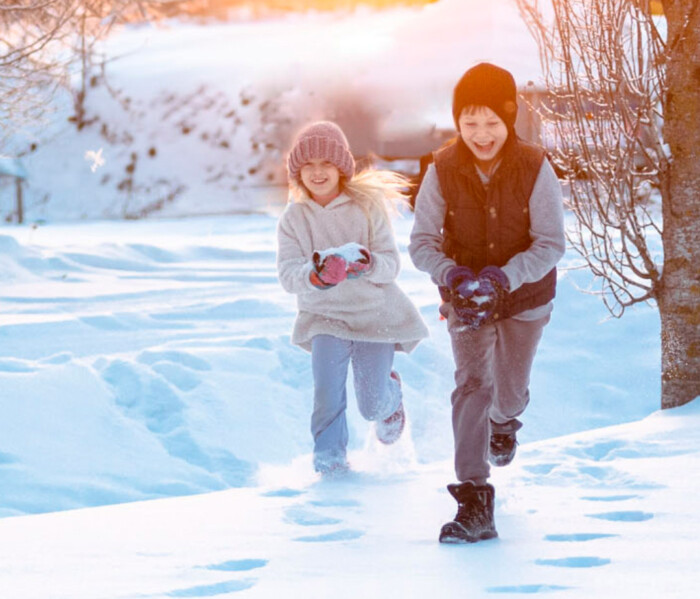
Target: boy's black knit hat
{"points": [[487, 85]]}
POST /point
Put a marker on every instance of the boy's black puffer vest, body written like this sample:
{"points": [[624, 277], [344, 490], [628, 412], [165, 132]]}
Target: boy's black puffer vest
{"points": [[488, 227]]}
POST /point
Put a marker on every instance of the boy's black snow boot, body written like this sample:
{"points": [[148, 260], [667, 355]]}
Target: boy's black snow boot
{"points": [[474, 520], [504, 442]]}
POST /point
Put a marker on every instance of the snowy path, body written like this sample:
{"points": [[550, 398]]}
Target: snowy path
{"points": [[151, 360], [598, 514]]}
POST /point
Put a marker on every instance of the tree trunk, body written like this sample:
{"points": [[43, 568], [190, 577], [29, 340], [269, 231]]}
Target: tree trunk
{"points": [[679, 295]]}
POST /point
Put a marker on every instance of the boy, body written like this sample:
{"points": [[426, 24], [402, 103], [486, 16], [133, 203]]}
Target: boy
{"points": [[489, 230]]}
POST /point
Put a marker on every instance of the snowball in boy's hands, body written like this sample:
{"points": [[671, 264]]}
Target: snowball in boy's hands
{"points": [[476, 299], [485, 300], [492, 291], [492, 288]]}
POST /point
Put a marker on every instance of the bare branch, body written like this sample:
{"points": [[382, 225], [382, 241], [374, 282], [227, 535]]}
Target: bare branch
{"points": [[601, 62], [43, 41]]}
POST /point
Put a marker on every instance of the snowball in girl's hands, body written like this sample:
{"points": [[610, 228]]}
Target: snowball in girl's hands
{"points": [[356, 256], [351, 252]]}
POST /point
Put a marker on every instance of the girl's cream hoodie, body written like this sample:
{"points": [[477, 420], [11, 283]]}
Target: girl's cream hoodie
{"points": [[368, 308]]}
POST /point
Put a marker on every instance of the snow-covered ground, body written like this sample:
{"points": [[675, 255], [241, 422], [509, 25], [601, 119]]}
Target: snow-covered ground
{"points": [[608, 513], [154, 417], [151, 359]]}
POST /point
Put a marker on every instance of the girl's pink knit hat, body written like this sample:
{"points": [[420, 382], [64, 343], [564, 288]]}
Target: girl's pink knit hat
{"points": [[322, 140]]}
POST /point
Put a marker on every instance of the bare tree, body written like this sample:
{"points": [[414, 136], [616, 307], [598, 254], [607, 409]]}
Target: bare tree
{"points": [[622, 109], [44, 42], [679, 297], [28, 73]]}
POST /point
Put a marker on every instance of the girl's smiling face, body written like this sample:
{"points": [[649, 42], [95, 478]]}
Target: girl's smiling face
{"points": [[485, 133], [322, 179]]}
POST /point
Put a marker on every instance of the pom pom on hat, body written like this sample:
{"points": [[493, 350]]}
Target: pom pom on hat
{"points": [[487, 85], [325, 141]]}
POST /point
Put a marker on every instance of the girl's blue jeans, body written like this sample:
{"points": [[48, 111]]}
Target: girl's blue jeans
{"points": [[378, 395]]}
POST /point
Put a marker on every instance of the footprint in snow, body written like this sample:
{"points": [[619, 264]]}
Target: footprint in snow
{"points": [[212, 590], [240, 565], [227, 586], [574, 562], [283, 492], [339, 535], [598, 451], [7, 459], [304, 517], [610, 498], [630, 516], [143, 397], [577, 537], [543, 469], [527, 589], [176, 375], [601, 473], [180, 369]]}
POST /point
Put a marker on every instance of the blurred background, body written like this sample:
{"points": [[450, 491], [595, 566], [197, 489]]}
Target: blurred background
{"points": [[161, 108]]}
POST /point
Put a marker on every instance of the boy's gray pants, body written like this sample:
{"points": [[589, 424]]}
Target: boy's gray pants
{"points": [[378, 395], [492, 377]]}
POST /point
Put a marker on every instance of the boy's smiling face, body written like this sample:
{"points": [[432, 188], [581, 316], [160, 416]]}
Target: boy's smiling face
{"points": [[484, 133]]}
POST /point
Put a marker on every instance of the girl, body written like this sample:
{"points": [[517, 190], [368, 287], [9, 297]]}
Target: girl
{"points": [[337, 254]]}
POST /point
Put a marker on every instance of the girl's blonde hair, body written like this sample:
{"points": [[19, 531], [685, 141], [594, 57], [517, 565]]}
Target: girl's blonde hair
{"points": [[382, 190]]}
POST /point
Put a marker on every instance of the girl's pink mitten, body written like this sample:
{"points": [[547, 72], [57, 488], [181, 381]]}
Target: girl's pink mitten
{"points": [[328, 272], [334, 270], [361, 265]]}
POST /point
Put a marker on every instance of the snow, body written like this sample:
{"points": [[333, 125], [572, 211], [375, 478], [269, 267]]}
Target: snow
{"points": [[156, 444], [603, 513], [350, 252], [154, 439]]}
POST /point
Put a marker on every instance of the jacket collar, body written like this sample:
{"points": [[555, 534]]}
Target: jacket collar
{"points": [[342, 198], [465, 158]]}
